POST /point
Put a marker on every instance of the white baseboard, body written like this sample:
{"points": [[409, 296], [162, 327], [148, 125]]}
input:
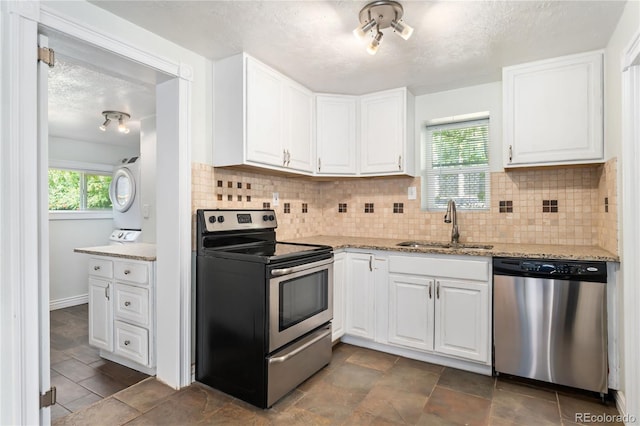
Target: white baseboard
{"points": [[68, 301], [621, 402]]}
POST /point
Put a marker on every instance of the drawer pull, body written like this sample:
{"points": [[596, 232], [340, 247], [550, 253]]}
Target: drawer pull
{"points": [[127, 303], [96, 268], [127, 342], [127, 272]]}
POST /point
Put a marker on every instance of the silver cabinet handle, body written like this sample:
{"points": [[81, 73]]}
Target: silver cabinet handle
{"points": [[96, 268], [319, 164], [438, 289], [371, 263], [430, 284], [284, 157], [510, 153], [127, 272], [127, 303], [399, 162], [127, 342], [288, 158], [106, 292]]}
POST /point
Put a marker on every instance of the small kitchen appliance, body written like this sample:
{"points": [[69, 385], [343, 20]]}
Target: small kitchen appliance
{"points": [[263, 307]]}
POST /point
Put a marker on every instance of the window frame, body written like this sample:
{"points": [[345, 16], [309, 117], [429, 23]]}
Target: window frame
{"points": [[427, 172], [83, 168]]}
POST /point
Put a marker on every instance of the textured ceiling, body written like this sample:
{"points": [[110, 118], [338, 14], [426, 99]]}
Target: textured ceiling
{"points": [[455, 43]]}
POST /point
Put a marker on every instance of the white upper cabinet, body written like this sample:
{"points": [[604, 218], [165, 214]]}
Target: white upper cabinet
{"points": [[336, 135], [262, 118], [553, 111], [386, 133]]}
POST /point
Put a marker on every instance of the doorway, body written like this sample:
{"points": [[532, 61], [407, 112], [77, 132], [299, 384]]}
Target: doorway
{"points": [[83, 83]]}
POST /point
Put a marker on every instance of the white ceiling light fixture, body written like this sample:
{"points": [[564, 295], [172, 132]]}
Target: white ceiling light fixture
{"points": [[121, 117], [379, 15]]}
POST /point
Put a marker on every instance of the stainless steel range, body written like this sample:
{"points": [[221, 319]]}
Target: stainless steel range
{"points": [[263, 307]]}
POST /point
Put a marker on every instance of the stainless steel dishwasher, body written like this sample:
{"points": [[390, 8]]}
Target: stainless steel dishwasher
{"points": [[550, 321]]}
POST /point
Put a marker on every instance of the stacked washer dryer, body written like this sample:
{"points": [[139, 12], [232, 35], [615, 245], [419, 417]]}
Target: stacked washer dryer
{"points": [[125, 198]]}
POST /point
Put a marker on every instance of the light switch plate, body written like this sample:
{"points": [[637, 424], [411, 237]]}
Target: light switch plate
{"points": [[145, 211], [276, 199], [412, 193]]}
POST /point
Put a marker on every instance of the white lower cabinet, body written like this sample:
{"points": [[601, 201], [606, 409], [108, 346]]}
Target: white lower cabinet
{"points": [[339, 275], [411, 311], [360, 290], [121, 311]]}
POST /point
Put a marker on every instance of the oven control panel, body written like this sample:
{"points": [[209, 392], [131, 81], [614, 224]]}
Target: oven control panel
{"points": [[234, 220]]}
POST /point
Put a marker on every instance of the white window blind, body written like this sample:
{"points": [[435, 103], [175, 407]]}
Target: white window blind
{"points": [[455, 165]]}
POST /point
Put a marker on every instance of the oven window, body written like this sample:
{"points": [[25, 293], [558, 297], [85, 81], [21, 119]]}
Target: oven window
{"points": [[302, 298]]}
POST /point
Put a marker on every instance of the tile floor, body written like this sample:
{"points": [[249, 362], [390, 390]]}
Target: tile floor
{"points": [[80, 376], [359, 387]]}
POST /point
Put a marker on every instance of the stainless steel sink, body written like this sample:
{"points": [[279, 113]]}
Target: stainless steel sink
{"points": [[436, 244]]}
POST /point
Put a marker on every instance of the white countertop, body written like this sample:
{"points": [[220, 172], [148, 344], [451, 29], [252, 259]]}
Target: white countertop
{"points": [[135, 251]]}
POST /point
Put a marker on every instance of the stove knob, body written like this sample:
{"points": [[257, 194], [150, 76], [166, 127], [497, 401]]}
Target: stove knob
{"points": [[272, 217], [265, 218], [212, 219], [120, 234], [220, 219]]}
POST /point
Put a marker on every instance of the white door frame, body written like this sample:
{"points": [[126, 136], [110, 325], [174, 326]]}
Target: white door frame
{"points": [[22, 241], [629, 401]]}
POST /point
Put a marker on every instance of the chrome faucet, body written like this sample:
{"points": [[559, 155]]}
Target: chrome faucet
{"points": [[450, 217]]}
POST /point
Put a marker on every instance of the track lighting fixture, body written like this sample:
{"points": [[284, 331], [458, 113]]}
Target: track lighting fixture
{"points": [[379, 15], [122, 117]]}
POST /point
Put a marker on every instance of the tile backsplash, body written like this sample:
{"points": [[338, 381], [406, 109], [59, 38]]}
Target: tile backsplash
{"points": [[573, 205]]}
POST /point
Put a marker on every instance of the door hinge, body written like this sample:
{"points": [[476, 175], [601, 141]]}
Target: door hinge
{"points": [[46, 55], [48, 398]]}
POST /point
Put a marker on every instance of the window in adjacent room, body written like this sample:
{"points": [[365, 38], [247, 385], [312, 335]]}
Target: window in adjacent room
{"points": [[78, 190], [455, 163]]}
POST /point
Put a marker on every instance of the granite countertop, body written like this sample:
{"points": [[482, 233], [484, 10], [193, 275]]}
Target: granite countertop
{"points": [[135, 251], [538, 251]]}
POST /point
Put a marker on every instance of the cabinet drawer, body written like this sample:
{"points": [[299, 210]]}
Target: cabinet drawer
{"points": [[440, 267], [134, 272], [132, 342], [100, 268], [132, 304]]}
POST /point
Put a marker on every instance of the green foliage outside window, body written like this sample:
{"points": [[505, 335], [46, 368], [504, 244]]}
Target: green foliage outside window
{"points": [[77, 190]]}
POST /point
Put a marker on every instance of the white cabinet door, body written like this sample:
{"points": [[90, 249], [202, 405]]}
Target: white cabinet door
{"points": [[298, 116], [411, 300], [553, 111], [360, 295], [382, 132], [336, 135], [339, 275], [462, 319], [265, 132], [100, 314]]}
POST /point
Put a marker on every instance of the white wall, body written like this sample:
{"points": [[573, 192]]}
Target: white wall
{"points": [[467, 100], [201, 105], [628, 26], [148, 178], [89, 152]]}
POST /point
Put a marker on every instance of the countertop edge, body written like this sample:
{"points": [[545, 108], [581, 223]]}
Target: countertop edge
{"points": [[131, 256]]}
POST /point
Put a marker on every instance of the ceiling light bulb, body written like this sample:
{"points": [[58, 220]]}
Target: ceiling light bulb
{"points": [[372, 49], [104, 125], [402, 29], [121, 127], [363, 29]]}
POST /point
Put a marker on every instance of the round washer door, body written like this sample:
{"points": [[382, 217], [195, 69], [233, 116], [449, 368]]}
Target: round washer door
{"points": [[122, 190]]}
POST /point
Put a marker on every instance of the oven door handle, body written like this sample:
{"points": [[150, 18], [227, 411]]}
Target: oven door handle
{"points": [[296, 351], [288, 271]]}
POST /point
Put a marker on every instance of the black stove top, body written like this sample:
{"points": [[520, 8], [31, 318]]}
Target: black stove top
{"points": [[268, 252]]}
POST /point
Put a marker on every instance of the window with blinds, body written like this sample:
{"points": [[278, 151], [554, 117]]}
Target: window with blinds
{"points": [[455, 165]]}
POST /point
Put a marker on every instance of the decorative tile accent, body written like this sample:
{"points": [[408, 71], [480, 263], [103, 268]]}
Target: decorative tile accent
{"points": [[248, 186], [248, 198], [398, 207], [305, 208], [239, 197], [550, 206], [368, 207], [219, 184], [287, 207], [506, 206], [342, 207], [219, 197], [229, 197], [606, 204], [229, 184], [266, 205]]}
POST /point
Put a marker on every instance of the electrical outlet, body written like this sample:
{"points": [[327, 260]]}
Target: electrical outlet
{"points": [[412, 193], [276, 199]]}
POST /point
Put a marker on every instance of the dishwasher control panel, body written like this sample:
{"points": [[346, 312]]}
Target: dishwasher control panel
{"points": [[553, 269]]}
